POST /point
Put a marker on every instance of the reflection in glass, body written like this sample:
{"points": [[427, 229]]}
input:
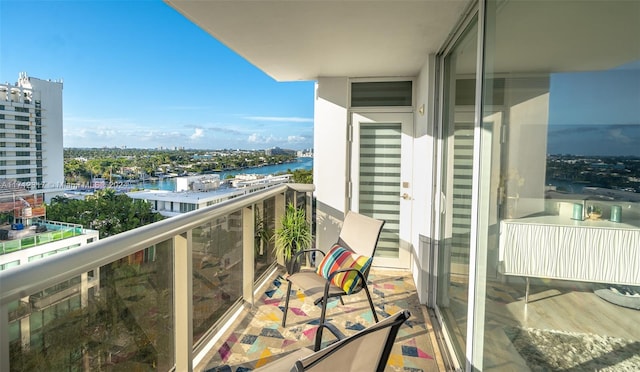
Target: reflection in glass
{"points": [[122, 320], [453, 267], [217, 270], [265, 224], [560, 133]]}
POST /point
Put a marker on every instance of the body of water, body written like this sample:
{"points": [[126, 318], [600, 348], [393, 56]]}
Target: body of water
{"points": [[170, 183]]}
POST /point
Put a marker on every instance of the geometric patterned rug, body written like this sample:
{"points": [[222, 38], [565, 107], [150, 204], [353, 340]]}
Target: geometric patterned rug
{"points": [[258, 337]]}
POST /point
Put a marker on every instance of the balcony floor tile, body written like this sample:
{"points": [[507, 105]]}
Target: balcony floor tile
{"points": [[257, 336]]}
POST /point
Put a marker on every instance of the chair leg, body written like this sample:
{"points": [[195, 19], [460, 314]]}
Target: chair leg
{"points": [[286, 304], [342, 302], [375, 316], [323, 316]]}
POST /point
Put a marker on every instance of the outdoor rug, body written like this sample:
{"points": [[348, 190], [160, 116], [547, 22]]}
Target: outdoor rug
{"points": [[258, 338], [548, 350]]}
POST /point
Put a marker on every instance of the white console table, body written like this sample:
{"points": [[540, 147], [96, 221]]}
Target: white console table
{"points": [[557, 247]]}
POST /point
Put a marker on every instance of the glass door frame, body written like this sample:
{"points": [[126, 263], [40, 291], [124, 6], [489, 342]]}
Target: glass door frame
{"points": [[475, 12]]}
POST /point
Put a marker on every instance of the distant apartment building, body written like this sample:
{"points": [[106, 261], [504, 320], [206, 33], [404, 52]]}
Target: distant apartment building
{"points": [[307, 153], [35, 239], [31, 148], [205, 182], [197, 192], [277, 151], [22, 243]]}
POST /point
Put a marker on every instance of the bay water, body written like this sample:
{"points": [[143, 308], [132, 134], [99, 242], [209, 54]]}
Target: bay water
{"points": [[169, 184]]}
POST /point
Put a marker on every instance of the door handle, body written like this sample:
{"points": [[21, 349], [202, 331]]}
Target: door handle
{"points": [[405, 196]]}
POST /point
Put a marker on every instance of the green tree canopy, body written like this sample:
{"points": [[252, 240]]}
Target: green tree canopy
{"points": [[106, 211], [302, 175]]}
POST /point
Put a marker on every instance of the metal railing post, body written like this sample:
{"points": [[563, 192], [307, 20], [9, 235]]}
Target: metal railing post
{"points": [[279, 213], [248, 242], [183, 301], [4, 337]]}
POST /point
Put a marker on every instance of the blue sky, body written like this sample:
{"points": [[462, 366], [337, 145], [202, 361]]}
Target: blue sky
{"points": [[138, 74], [596, 112]]}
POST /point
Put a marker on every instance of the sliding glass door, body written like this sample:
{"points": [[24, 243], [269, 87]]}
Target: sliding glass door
{"points": [[456, 187]]}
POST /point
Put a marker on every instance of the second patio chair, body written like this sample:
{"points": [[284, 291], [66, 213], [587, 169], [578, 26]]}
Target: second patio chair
{"points": [[345, 267], [367, 350]]}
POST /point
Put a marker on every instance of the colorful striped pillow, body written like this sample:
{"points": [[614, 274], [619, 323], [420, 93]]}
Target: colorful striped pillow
{"points": [[341, 258]]}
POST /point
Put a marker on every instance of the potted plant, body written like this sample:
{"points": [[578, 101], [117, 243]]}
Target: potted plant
{"points": [[293, 234], [594, 212]]}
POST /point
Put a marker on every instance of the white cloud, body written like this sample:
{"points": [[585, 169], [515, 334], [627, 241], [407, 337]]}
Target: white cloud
{"points": [[198, 133], [617, 135], [130, 132], [256, 138], [253, 138]]}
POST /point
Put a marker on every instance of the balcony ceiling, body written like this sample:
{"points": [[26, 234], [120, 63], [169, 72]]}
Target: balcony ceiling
{"points": [[304, 40], [307, 39]]}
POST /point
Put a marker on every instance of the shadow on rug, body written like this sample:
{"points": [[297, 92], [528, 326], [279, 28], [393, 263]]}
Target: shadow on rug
{"points": [[547, 350]]}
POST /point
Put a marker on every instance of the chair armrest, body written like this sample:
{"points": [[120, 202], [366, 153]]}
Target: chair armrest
{"points": [[333, 329]]}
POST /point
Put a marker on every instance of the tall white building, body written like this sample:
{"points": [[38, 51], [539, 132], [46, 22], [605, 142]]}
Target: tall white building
{"points": [[31, 147]]}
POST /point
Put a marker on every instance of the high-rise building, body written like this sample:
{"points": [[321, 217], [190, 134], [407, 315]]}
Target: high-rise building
{"points": [[31, 148]]}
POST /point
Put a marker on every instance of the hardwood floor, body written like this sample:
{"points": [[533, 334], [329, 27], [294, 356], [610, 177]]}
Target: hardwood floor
{"points": [[553, 305]]}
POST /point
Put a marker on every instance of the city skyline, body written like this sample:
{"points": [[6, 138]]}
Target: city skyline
{"points": [[137, 74]]}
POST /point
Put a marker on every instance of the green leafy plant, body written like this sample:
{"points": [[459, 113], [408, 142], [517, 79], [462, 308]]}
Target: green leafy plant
{"points": [[594, 209], [293, 234], [263, 234]]}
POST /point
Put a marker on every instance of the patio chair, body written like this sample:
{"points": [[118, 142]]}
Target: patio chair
{"points": [[367, 350], [344, 269]]}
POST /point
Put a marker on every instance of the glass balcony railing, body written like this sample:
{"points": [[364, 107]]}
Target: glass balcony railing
{"points": [[54, 231], [147, 299]]}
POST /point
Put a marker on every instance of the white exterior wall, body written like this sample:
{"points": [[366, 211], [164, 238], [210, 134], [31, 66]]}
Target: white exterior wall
{"points": [[50, 95], [424, 180], [330, 145], [23, 255]]}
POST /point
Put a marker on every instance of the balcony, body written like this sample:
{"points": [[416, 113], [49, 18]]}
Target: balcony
{"points": [[45, 232], [256, 338], [189, 292]]}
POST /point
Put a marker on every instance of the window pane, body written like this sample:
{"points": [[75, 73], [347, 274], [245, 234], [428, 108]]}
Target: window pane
{"points": [[387, 93], [458, 121], [559, 213], [217, 270]]}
